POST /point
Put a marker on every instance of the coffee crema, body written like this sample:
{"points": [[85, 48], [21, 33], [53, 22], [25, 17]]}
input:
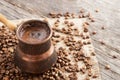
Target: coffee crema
{"points": [[34, 34]]}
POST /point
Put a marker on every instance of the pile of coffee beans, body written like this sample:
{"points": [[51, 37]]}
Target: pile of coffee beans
{"points": [[9, 71]]}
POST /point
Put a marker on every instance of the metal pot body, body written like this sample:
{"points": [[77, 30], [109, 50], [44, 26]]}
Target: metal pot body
{"points": [[38, 56]]}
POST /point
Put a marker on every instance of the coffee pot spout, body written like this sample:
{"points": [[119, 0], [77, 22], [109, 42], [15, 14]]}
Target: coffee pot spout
{"points": [[7, 22]]}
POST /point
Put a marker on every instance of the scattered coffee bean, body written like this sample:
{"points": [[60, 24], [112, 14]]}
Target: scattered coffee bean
{"points": [[107, 67], [93, 54], [87, 23], [84, 43], [102, 27], [88, 42], [71, 24], [11, 49], [95, 76], [103, 43], [92, 20], [82, 11], [97, 10], [66, 22], [94, 32], [85, 30], [87, 37], [114, 56]]}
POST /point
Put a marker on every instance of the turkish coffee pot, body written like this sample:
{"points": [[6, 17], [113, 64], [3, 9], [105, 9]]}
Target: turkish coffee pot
{"points": [[34, 53]]}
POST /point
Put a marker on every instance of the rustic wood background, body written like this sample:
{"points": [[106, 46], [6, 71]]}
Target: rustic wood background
{"points": [[108, 16]]}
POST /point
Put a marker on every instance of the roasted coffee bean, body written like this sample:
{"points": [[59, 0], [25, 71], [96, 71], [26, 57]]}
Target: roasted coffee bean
{"points": [[97, 10], [93, 54], [85, 30], [84, 37], [71, 24], [84, 43], [82, 11], [87, 23], [92, 20], [94, 32], [95, 76], [88, 42], [66, 22], [66, 17], [114, 56], [102, 27], [107, 67], [102, 42], [87, 37], [56, 25]]}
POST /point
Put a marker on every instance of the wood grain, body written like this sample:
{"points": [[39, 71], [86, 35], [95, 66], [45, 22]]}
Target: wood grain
{"points": [[108, 16]]}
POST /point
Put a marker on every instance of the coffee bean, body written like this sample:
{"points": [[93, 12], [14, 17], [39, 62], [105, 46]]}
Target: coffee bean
{"points": [[87, 23], [97, 10], [7, 72], [85, 30], [87, 37], [71, 24], [93, 54], [102, 27], [92, 20], [82, 11], [88, 42], [103, 43], [11, 49], [66, 17], [107, 67], [94, 32], [114, 56], [56, 25], [95, 76], [84, 43]]}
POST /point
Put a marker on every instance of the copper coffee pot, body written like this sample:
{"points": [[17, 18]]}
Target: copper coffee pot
{"points": [[35, 52]]}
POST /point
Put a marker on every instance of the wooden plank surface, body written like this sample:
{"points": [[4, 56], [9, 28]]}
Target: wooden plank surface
{"points": [[108, 16]]}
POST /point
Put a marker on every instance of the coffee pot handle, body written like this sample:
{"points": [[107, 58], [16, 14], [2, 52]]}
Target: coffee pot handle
{"points": [[7, 22]]}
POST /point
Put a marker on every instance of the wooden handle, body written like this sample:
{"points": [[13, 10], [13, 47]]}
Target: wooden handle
{"points": [[7, 22]]}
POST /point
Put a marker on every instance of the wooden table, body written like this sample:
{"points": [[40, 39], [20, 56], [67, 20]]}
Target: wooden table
{"points": [[108, 16]]}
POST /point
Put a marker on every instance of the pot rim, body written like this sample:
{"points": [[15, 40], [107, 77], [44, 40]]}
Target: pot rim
{"points": [[38, 42]]}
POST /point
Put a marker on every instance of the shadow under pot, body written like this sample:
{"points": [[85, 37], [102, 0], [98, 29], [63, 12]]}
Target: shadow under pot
{"points": [[34, 52]]}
